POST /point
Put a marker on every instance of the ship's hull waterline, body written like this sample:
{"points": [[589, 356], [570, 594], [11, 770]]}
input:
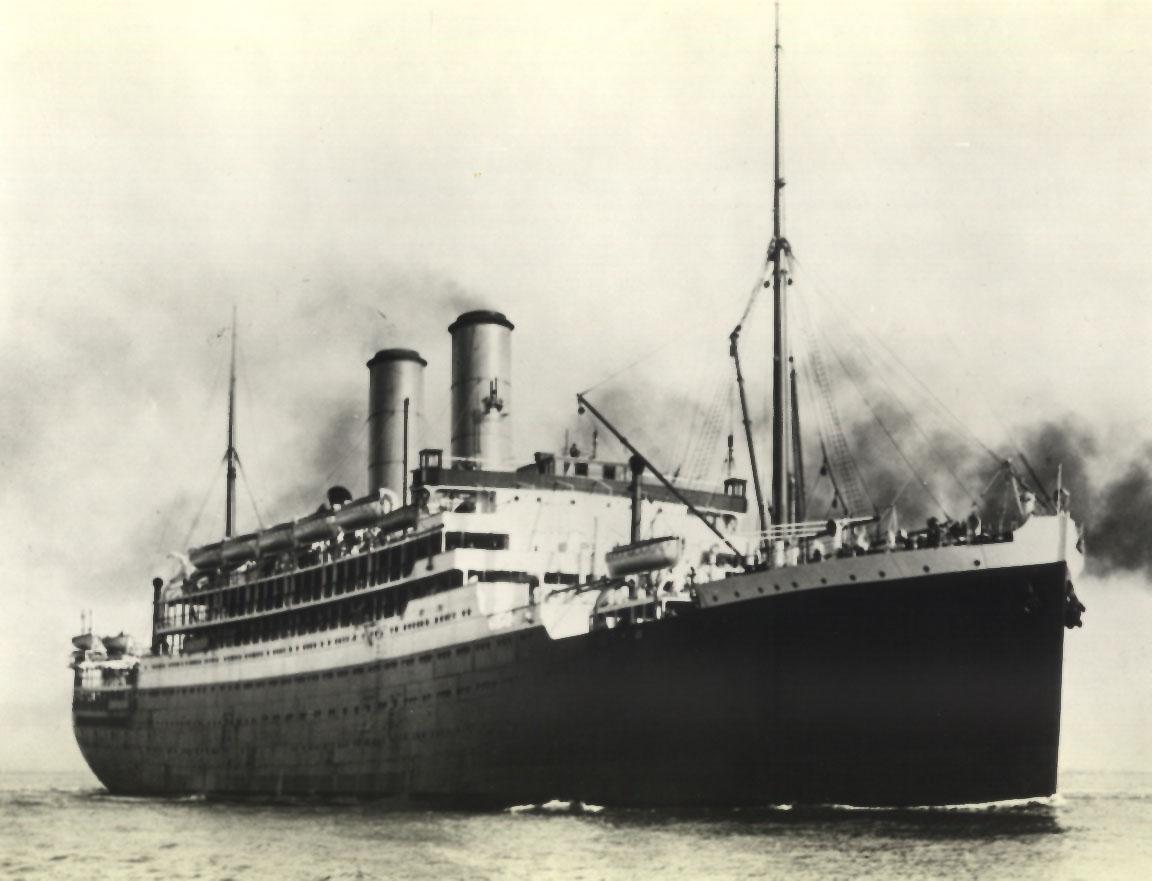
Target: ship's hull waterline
{"points": [[941, 689]]}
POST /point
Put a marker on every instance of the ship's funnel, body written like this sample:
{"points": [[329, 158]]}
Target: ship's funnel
{"points": [[395, 408], [481, 389]]}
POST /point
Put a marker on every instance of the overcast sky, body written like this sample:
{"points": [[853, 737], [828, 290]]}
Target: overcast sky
{"points": [[969, 179]]}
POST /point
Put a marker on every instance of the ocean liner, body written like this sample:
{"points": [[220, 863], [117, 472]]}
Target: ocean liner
{"points": [[477, 631]]}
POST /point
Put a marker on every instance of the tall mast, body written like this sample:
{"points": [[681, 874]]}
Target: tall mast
{"points": [[781, 405], [230, 453]]}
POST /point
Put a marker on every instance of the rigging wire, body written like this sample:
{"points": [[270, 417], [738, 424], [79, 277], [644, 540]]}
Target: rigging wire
{"points": [[1019, 449], [850, 489], [753, 297], [361, 437], [248, 487], [1049, 498], [862, 350], [810, 397], [251, 398], [714, 426], [706, 461], [213, 393], [438, 419], [942, 408], [918, 427], [655, 350], [203, 504], [821, 434], [167, 514], [711, 427], [630, 365], [706, 422], [214, 386], [732, 409], [688, 448], [907, 483], [923, 482]]}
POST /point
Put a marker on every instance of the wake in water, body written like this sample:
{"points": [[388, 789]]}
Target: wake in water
{"points": [[556, 806], [53, 831]]}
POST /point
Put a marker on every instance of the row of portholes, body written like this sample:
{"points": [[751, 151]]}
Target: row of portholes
{"points": [[851, 577]]}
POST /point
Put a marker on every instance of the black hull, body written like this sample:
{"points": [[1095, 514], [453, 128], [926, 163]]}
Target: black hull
{"points": [[943, 689]]}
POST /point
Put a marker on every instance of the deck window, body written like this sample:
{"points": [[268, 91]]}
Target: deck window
{"points": [[506, 575], [561, 578], [484, 541]]}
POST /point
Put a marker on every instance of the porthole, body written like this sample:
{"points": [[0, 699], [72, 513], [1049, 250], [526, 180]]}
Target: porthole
{"points": [[736, 593], [975, 562], [851, 577], [883, 574], [927, 569]]}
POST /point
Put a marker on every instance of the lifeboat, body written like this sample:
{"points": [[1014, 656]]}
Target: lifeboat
{"points": [[278, 538], [357, 515], [121, 644], [318, 527], [324, 525], [644, 556], [239, 549], [206, 557], [85, 643]]}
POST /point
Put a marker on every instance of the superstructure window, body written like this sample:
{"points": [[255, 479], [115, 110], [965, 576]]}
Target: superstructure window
{"points": [[484, 541], [336, 579], [561, 578], [506, 575], [348, 611]]}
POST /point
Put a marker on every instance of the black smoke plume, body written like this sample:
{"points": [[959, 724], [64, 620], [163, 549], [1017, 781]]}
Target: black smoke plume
{"points": [[1112, 511], [1119, 538], [1110, 500]]}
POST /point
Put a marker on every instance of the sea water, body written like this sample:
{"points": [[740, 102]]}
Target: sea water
{"points": [[67, 827]]}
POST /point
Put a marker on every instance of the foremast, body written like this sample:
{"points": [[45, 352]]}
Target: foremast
{"points": [[230, 455], [779, 249]]}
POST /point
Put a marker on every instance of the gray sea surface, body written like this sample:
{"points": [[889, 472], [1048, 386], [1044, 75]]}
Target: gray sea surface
{"points": [[65, 827]]}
